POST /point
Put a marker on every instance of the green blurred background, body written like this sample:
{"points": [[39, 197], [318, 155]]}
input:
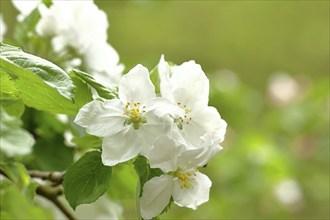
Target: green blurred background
{"points": [[268, 64]]}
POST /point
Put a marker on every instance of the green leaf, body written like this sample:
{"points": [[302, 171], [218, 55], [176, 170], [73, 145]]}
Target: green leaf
{"points": [[87, 141], [144, 172], [51, 74], [15, 205], [52, 154], [23, 30], [17, 173], [154, 77], [86, 180], [8, 88], [14, 108], [122, 178], [82, 92], [104, 92], [15, 141], [44, 85]]}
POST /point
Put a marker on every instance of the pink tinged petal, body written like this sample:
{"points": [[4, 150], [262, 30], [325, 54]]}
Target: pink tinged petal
{"points": [[156, 195], [136, 86], [164, 154], [121, 147], [195, 195], [102, 118]]}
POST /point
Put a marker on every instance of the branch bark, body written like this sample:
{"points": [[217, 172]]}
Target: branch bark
{"points": [[50, 192], [55, 177]]}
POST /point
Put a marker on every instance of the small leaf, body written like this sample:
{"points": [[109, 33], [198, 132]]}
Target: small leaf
{"points": [[82, 92], [23, 30], [154, 77], [142, 169], [104, 92], [144, 172], [86, 180]]}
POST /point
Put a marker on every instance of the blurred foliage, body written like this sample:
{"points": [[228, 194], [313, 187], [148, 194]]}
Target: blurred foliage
{"points": [[266, 142]]}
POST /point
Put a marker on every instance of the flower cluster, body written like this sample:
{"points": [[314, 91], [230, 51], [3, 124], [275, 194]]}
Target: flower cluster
{"points": [[79, 26], [175, 130]]}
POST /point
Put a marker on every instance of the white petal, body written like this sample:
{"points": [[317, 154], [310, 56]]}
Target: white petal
{"points": [[164, 154], [66, 21], [195, 195], [102, 118], [164, 76], [3, 28], [103, 62], [161, 107], [154, 128], [156, 195], [101, 56], [136, 86], [25, 7], [198, 157], [121, 147], [209, 119], [190, 84]]}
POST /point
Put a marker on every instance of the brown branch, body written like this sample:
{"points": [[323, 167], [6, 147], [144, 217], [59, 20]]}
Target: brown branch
{"points": [[52, 193], [49, 192], [55, 177]]}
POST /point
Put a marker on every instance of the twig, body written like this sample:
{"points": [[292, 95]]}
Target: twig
{"points": [[55, 177], [49, 192], [52, 193]]}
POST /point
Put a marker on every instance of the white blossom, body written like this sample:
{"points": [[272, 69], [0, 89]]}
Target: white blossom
{"points": [[25, 7], [283, 89], [130, 123], [288, 192], [3, 28], [66, 22], [181, 180], [73, 23], [187, 86], [79, 25]]}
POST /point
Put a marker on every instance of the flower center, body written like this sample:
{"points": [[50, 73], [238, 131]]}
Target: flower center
{"points": [[185, 119], [185, 178], [135, 114]]}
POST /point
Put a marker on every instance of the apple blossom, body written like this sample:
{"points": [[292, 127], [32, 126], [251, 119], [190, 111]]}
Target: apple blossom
{"points": [[181, 180], [85, 34], [66, 23], [25, 7], [130, 123], [188, 87]]}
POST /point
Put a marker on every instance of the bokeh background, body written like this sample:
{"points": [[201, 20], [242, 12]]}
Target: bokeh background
{"points": [[268, 65]]}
